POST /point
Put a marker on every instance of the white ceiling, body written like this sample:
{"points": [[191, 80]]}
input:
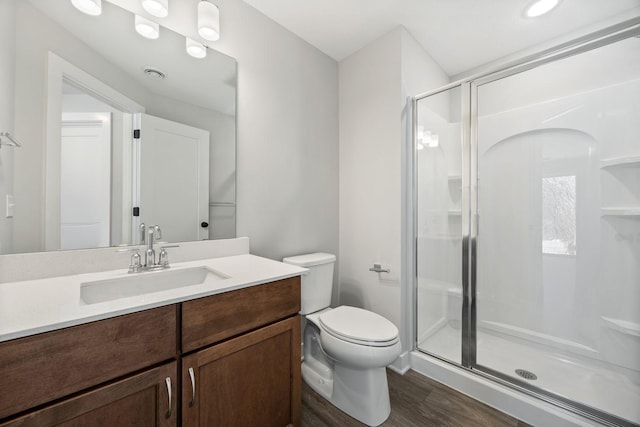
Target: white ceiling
{"points": [[459, 34]]}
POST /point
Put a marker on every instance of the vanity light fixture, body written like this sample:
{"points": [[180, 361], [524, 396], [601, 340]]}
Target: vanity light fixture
{"points": [[540, 7], [157, 8], [196, 49], [208, 21], [147, 28], [90, 7]]}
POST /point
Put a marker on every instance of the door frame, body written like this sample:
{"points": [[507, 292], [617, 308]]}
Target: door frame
{"points": [[59, 71]]}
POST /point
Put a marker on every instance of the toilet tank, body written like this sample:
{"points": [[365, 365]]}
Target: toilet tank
{"points": [[317, 284]]}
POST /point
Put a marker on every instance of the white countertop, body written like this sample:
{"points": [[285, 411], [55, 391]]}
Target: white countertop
{"points": [[35, 306]]}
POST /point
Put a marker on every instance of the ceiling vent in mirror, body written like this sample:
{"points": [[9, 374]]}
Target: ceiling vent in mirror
{"points": [[147, 28], [158, 8], [90, 7], [154, 73], [208, 21]]}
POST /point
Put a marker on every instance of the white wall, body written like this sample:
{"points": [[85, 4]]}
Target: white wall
{"points": [[287, 136], [7, 53], [374, 84]]}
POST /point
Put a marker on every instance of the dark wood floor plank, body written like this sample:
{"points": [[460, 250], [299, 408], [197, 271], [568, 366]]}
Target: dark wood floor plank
{"points": [[416, 401]]}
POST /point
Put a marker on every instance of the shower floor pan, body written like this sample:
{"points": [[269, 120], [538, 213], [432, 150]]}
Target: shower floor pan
{"points": [[576, 379]]}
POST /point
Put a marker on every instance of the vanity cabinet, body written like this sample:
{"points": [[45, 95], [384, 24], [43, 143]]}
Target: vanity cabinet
{"points": [[139, 400], [231, 359], [251, 380], [42, 368]]}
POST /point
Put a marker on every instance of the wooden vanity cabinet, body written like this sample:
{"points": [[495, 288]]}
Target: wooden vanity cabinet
{"points": [[251, 375], [39, 369], [139, 400], [251, 380], [231, 359]]}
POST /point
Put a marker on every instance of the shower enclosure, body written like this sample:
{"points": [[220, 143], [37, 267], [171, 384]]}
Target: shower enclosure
{"points": [[527, 225]]}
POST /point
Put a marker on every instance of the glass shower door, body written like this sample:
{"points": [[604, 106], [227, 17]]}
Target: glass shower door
{"points": [[558, 228], [438, 228]]}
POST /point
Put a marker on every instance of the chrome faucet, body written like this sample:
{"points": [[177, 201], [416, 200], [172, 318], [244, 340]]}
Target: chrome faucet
{"points": [[153, 233]]}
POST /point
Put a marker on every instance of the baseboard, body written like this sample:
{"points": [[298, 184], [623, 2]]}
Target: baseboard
{"points": [[402, 364]]}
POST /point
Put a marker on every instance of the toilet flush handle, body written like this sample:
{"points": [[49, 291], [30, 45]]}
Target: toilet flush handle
{"points": [[378, 268]]}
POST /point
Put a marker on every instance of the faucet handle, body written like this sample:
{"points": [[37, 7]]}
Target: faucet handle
{"points": [[157, 231], [163, 257], [136, 261], [142, 233]]}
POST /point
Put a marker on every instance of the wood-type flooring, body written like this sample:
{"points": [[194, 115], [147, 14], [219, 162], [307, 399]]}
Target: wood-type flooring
{"points": [[415, 401]]}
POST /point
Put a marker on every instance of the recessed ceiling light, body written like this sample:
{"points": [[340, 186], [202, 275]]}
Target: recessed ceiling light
{"points": [[540, 7]]}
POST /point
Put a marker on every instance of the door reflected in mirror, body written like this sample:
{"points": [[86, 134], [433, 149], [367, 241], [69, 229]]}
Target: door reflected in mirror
{"points": [[81, 86]]}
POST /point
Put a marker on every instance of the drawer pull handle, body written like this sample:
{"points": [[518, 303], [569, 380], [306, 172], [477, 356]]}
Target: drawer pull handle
{"points": [[193, 387], [168, 383]]}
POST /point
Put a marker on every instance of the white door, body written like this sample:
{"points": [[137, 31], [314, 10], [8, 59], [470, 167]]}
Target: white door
{"points": [[174, 178], [85, 177]]}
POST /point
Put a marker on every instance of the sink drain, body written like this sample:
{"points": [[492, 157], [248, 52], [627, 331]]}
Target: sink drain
{"points": [[527, 375]]}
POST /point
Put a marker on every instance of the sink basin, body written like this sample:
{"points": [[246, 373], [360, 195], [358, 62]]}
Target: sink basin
{"points": [[146, 283]]}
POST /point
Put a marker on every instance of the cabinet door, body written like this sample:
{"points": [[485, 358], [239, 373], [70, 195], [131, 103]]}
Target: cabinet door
{"points": [[252, 380], [147, 399]]}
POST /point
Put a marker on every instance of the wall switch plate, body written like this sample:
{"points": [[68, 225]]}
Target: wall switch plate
{"points": [[9, 206]]}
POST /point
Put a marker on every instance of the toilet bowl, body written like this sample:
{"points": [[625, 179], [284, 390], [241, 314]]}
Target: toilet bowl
{"points": [[345, 349]]}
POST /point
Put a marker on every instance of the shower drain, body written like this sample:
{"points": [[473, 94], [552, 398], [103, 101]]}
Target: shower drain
{"points": [[526, 374]]}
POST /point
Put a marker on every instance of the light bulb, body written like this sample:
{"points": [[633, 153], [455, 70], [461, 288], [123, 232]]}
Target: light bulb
{"points": [[147, 28], [208, 21], [90, 7], [158, 8], [196, 49]]}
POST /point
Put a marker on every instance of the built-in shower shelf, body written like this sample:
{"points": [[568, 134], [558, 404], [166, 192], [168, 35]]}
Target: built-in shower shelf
{"points": [[624, 326], [454, 212], [454, 177], [620, 212], [620, 161]]}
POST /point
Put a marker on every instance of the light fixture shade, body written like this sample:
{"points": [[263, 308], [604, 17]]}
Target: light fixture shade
{"points": [[158, 8], [208, 21], [90, 7], [196, 49], [540, 7], [147, 28]]}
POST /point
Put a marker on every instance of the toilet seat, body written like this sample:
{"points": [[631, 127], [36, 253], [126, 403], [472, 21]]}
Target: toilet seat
{"points": [[359, 326]]}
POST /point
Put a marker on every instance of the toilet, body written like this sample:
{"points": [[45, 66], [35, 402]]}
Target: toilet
{"points": [[345, 349]]}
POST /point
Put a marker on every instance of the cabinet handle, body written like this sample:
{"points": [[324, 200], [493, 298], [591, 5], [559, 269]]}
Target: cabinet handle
{"points": [[193, 387], [168, 383]]}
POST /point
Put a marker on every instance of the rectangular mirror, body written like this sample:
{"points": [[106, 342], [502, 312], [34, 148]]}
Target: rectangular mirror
{"points": [[116, 130]]}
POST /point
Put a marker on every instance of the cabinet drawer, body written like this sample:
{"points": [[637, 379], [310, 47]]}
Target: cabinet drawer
{"points": [[212, 319], [41, 368]]}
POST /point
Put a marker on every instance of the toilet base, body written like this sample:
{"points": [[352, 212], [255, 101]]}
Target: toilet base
{"points": [[363, 394], [360, 393]]}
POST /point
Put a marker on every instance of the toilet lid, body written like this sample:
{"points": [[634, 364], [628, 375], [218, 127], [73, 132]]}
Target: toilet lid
{"points": [[359, 326]]}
